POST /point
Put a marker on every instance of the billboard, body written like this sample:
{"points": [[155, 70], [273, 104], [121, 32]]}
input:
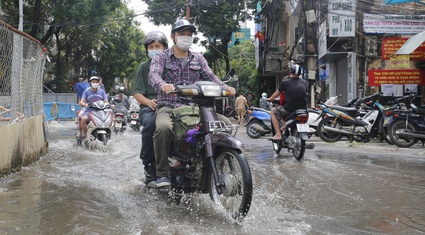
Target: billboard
{"points": [[393, 24], [342, 18], [399, 76], [391, 46]]}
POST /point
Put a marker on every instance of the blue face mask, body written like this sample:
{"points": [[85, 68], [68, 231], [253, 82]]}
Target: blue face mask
{"points": [[152, 53]]}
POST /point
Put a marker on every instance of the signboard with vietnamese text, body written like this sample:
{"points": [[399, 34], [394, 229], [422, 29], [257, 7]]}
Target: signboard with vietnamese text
{"points": [[341, 18], [399, 77], [391, 46], [393, 24]]}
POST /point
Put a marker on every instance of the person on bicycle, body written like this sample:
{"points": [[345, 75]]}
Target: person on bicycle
{"points": [[155, 42], [295, 90], [177, 65]]}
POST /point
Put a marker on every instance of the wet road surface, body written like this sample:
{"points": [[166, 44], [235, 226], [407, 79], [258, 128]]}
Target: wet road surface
{"points": [[340, 188]]}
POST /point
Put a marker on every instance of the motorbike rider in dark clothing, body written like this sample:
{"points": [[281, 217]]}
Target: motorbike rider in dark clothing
{"points": [[155, 42], [295, 89]]}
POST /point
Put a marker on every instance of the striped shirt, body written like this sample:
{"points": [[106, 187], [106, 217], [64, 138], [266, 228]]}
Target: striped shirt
{"points": [[167, 69]]}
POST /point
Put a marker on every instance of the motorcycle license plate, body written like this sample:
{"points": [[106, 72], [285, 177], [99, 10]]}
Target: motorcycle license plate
{"points": [[118, 124], [386, 121], [133, 122], [303, 127]]}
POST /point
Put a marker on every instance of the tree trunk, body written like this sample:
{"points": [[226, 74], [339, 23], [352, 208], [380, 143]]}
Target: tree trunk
{"points": [[36, 19]]}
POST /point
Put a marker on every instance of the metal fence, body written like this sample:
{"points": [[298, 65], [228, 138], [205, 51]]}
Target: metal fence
{"points": [[22, 60]]}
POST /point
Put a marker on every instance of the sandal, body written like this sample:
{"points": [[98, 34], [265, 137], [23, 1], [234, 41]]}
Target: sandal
{"points": [[276, 140]]}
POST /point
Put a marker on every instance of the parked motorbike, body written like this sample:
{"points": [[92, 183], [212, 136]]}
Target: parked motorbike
{"points": [[346, 121], [133, 116], [408, 126], [295, 134], [258, 122], [100, 123], [209, 159]]}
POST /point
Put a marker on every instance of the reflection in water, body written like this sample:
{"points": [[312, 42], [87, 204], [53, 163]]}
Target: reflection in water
{"points": [[76, 191]]}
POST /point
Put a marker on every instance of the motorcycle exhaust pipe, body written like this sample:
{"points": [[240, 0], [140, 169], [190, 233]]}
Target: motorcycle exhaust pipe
{"points": [[331, 129], [258, 128], [410, 134], [309, 146]]}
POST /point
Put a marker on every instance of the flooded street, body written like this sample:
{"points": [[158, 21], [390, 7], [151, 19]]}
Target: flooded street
{"points": [[338, 188]]}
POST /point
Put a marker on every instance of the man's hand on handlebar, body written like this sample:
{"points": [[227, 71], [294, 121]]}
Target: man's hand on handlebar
{"points": [[232, 90], [166, 88]]}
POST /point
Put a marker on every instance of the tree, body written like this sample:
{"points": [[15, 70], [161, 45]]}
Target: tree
{"points": [[83, 35], [217, 20]]}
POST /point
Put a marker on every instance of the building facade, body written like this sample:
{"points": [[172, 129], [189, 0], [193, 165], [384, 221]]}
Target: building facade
{"points": [[349, 42]]}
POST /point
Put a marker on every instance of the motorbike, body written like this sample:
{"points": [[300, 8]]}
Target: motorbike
{"points": [[295, 134], [257, 122], [133, 116], [100, 123], [347, 121], [209, 159], [407, 125], [120, 116]]}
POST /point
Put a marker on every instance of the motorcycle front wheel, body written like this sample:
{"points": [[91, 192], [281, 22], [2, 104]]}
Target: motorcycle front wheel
{"points": [[299, 148], [400, 125], [329, 136], [236, 180], [384, 133]]}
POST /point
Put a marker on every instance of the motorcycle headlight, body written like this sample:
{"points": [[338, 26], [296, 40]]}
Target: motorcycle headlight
{"points": [[212, 90]]}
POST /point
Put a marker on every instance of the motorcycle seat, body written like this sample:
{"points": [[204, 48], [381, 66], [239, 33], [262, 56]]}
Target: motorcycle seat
{"points": [[419, 110], [296, 113], [344, 109], [260, 109]]}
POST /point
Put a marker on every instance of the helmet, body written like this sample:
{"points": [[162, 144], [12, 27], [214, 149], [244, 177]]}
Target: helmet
{"points": [[182, 24], [295, 69], [155, 36], [94, 78], [264, 94], [121, 89]]}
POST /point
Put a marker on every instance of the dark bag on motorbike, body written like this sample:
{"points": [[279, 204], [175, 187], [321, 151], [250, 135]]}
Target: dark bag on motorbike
{"points": [[185, 118]]}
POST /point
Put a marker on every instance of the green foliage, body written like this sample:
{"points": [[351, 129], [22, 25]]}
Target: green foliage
{"points": [[83, 35], [242, 60], [216, 19]]}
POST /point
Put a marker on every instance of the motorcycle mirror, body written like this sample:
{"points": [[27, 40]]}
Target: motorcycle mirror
{"points": [[229, 76]]}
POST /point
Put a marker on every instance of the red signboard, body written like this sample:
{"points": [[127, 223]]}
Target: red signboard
{"points": [[391, 46], [400, 77]]}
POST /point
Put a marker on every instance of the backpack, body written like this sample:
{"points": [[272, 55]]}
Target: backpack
{"points": [[185, 118], [282, 99]]}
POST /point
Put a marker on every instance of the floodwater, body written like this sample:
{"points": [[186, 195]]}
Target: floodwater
{"points": [[338, 188]]}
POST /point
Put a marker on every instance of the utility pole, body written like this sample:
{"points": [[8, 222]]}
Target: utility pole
{"points": [[187, 10]]}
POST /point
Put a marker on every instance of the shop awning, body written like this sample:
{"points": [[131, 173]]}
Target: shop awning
{"points": [[403, 1], [410, 45]]}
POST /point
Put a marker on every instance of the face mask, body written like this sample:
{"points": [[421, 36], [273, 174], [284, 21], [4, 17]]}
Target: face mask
{"points": [[184, 42], [94, 85], [152, 53]]}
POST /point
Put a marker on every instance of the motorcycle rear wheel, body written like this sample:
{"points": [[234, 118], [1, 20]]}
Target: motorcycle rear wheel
{"points": [[235, 174], [403, 142], [299, 149], [328, 136], [251, 132]]}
